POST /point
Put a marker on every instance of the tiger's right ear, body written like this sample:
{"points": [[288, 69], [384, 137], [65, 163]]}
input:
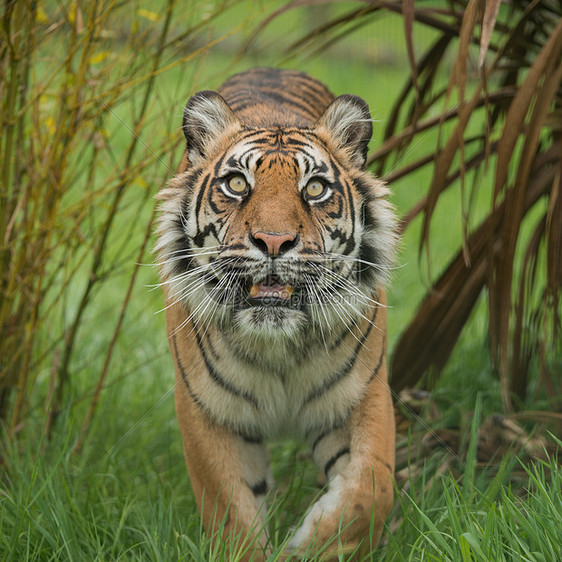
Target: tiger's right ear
{"points": [[206, 116], [348, 121]]}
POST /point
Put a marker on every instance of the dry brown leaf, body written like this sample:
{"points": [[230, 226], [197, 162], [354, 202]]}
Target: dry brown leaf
{"points": [[466, 34], [521, 356], [519, 107], [488, 23], [429, 339], [554, 237], [408, 13], [443, 163], [499, 434], [544, 88]]}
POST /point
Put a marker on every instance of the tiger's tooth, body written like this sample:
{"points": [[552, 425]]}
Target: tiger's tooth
{"points": [[254, 290], [288, 290]]}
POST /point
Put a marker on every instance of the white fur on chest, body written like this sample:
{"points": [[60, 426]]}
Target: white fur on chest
{"points": [[286, 399]]}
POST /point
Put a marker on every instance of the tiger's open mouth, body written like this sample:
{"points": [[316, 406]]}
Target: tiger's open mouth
{"points": [[271, 289], [272, 292]]}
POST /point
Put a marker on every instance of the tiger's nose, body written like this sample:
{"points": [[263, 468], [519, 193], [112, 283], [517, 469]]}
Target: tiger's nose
{"points": [[274, 243]]}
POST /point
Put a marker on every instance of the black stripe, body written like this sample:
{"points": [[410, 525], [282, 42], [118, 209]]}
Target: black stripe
{"points": [[369, 255], [194, 396], [384, 463], [332, 381], [345, 332], [220, 381], [337, 342], [260, 488], [247, 134], [364, 188], [180, 252], [236, 246], [290, 83], [316, 104], [379, 364], [324, 434], [342, 373], [251, 437], [199, 238], [202, 188], [247, 98], [294, 100], [199, 200], [336, 214], [317, 87], [349, 199], [211, 347], [329, 465], [319, 438], [302, 103]]}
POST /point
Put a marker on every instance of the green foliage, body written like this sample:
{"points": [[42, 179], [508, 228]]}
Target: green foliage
{"points": [[493, 523], [82, 99]]}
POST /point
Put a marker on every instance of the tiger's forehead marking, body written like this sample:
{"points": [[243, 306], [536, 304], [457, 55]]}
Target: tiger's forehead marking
{"points": [[291, 148]]}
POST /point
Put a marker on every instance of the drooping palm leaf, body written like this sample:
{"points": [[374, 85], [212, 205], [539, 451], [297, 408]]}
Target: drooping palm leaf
{"points": [[428, 341]]}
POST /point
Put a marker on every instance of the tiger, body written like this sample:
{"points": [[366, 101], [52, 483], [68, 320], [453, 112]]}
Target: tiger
{"points": [[275, 244]]}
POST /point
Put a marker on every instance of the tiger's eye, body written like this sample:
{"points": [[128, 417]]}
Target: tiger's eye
{"points": [[237, 184], [314, 189]]}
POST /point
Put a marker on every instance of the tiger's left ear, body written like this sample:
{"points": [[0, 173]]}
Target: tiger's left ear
{"points": [[206, 117], [348, 120]]}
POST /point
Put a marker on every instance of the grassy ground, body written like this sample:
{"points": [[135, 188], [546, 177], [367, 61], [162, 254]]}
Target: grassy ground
{"points": [[126, 496]]}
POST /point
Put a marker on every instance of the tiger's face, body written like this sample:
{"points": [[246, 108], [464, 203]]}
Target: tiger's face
{"points": [[275, 232]]}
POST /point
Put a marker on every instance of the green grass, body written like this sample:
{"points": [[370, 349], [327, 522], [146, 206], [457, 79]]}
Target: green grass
{"points": [[126, 494], [485, 522]]}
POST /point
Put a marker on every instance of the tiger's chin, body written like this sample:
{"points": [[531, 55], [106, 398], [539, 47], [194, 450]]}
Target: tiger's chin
{"points": [[267, 322]]}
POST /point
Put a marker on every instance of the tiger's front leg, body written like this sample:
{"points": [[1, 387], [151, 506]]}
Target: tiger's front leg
{"points": [[230, 479], [229, 472], [351, 514]]}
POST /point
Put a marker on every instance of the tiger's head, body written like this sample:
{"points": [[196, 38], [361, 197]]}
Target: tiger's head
{"points": [[276, 231]]}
